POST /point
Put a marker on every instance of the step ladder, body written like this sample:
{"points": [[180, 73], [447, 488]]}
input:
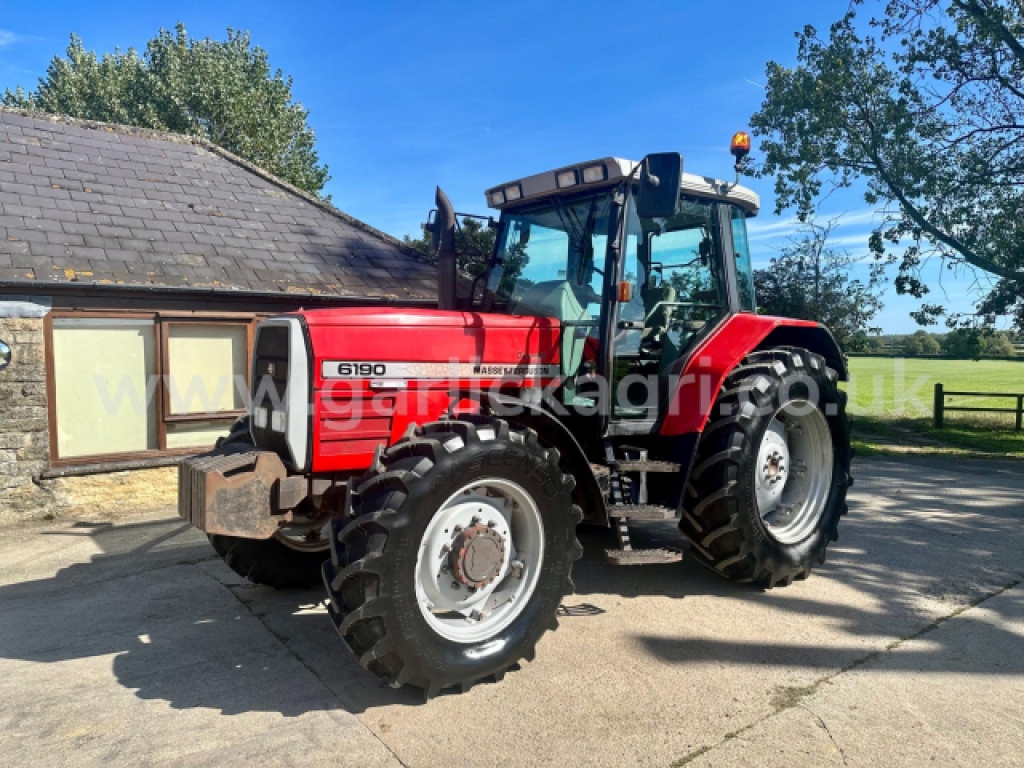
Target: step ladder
{"points": [[621, 510]]}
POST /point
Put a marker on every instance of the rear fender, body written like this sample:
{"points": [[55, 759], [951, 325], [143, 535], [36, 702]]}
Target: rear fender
{"points": [[554, 434], [697, 385], [817, 339]]}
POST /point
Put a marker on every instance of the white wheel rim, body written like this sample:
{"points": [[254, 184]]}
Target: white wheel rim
{"points": [[460, 613], [793, 473]]}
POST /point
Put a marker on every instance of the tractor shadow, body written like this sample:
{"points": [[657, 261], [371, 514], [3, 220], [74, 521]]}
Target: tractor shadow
{"points": [[924, 538]]}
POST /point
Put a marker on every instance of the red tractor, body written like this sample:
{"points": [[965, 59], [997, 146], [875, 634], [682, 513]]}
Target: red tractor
{"points": [[606, 365]]}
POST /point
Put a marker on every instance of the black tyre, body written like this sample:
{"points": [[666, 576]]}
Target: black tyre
{"points": [[238, 433], [281, 562], [405, 573], [272, 562], [770, 477]]}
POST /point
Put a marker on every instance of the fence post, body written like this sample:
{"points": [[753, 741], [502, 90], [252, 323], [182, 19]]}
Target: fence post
{"points": [[940, 402], [1020, 412]]}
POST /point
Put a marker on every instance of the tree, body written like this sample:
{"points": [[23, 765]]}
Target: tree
{"points": [[923, 105], [474, 244], [998, 345], [222, 90], [920, 343], [973, 344], [810, 280]]}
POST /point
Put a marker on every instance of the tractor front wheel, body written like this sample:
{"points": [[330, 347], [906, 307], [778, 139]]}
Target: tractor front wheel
{"points": [[769, 481], [458, 556]]}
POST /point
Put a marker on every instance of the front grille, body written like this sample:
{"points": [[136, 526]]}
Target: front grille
{"points": [[271, 366]]}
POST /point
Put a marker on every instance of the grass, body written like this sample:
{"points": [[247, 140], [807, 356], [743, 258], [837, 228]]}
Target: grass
{"points": [[891, 401]]}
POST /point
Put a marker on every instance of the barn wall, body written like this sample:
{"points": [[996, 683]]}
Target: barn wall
{"points": [[25, 444]]}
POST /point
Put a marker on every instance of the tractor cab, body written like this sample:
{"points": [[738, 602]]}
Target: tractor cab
{"points": [[637, 261]]}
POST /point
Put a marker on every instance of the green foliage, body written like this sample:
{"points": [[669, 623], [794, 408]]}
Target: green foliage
{"points": [[922, 105], [222, 90], [474, 243], [810, 281], [973, 344], [920, 343]]}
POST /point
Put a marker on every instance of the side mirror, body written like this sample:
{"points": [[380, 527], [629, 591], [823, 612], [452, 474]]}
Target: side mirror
{"points": [[660, 177]]}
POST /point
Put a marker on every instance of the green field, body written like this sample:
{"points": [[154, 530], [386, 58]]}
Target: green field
{"points": [[891, 401]]}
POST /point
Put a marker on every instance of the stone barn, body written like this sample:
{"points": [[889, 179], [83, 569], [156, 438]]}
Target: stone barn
{"points": [[133, 267]]}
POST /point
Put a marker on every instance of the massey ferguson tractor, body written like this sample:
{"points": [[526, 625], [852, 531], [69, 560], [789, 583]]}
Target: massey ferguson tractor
{"points": [[604, 364]]}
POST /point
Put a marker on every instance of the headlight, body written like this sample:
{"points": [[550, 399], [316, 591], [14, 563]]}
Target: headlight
{"points": [[278, 422]]}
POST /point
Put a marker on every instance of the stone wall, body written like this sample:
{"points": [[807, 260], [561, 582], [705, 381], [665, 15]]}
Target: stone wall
{"points": [[25, 447], [115, 494], [24, 436]]}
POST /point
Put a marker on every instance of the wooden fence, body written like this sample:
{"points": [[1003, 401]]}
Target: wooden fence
{"points": [[941, 408]]}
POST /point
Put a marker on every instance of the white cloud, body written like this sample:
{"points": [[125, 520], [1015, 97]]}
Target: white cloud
{"points": [[7, 38], [843, 219]]}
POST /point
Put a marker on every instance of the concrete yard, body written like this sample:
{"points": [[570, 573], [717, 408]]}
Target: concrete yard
{"points": [[129, 642]]}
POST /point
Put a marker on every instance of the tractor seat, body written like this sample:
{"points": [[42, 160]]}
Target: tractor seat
{"points": [[655, 343]]}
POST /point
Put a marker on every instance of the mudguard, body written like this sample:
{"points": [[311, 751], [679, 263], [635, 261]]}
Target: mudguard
{"points": [[723, 349]]}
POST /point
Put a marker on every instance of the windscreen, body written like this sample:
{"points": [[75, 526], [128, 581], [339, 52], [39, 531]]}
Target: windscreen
{"points": [[552, 257]]}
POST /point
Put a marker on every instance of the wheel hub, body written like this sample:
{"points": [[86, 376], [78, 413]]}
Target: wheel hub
{"points": [[477, 556], [775, 468]]}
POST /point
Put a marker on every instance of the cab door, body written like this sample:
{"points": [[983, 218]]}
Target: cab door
{"points": [[678, 272]]}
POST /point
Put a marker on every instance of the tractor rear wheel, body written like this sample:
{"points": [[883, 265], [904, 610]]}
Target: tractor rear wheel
{"points": [[289, 560], [458, 556], [769, 480]]}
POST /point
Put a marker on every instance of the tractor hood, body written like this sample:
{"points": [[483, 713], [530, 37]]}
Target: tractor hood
{"points": [[416, 344], [434, 318], [376, 371]]}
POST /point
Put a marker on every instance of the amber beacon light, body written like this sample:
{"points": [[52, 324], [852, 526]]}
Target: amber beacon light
{"points": [[740, 146]]}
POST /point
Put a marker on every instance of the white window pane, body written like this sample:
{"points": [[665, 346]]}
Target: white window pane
{"points": [[206, 365], [196, 434], [104, 380]]}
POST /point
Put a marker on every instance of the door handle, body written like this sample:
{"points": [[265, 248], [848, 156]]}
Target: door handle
{"points": [[631, 325]]}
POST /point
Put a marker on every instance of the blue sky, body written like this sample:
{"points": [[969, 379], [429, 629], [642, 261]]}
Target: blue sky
{"points": [[408, 95]]}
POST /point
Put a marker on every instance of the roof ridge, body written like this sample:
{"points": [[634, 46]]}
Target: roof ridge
{"points": [[199, 141]]}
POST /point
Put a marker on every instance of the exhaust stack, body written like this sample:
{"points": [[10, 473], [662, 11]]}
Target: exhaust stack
{"points": [[444, 233]]}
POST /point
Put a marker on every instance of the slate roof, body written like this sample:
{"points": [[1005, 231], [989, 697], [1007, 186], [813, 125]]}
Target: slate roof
{"points": [[85, 202]]}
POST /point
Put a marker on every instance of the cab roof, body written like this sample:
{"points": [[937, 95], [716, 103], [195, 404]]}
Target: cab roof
{"points": [[606, 171]]}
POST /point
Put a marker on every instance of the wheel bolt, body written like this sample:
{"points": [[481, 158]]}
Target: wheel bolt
{"points": [[492, 524], [475, 520]]}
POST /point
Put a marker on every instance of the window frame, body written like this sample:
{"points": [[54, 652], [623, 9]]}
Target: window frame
{"points": [[161, 319]]}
